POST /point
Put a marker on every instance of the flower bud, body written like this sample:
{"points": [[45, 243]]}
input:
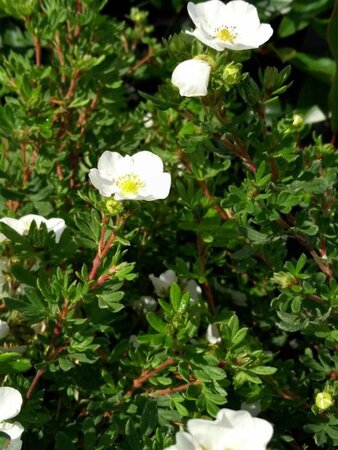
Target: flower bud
{"points": [[191, 77], [297, 121], [113, 206], [284, 279], [231, 73], [324, 400], [212, 334]]}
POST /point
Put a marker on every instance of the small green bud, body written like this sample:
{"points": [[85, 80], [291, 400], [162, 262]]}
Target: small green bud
{"points": [[297, 121], [138, 16], [324, 400], [284, 279], [113, 206], [231, 73]]}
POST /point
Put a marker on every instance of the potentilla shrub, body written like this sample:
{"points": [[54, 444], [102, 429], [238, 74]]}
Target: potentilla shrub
{"points": [[169, 260]]}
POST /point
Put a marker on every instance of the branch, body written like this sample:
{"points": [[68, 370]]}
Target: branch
{"points": [[60, 55], [206, 286], [37, 47], [239, 150], [138, 382], [225, 215], [325, 268], [73, 83], [141, 62], [172, 390]]}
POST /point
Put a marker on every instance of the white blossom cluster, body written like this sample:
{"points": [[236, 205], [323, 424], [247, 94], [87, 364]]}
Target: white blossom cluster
{"points": [[234, 26]]}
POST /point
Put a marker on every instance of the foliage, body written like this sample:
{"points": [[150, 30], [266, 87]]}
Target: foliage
{"points": [[250, 218]]}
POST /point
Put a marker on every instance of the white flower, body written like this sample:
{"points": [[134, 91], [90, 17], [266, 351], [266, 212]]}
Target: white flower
{"points": [[192, 77], [137, 177], [163, 282], [145, 304], [10, 405], [212, 334], [148, 120], [4, 329], [193, 288], [23, 224], [253, 408], [232, 430], [133, 341], [235, 26]]}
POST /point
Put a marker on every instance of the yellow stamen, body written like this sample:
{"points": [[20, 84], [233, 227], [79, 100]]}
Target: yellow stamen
{"points": [[129, 184], [225, 35]]}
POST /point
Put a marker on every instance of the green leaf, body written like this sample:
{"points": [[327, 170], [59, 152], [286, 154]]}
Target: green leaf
{"points": [[149, 417], [63, 441], [263, 370], [175, 296], [256, 236], [290, 24], [89, 434], [156, 322], [132, 436]]}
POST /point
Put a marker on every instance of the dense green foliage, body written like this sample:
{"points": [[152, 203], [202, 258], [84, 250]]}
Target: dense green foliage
{"points": [[251, 218]]}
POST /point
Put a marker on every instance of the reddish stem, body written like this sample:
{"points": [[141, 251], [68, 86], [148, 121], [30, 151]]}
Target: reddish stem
{"points": [[206, 286], [60, 56], [172, 390], [141, 62], [225, 215], [103, 248], [138, 382], [73, 83], [37, 47]]}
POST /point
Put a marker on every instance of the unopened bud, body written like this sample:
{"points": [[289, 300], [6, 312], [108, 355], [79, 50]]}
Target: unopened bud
{"points": [[231, 73], [297, 121], [113, 206], [324, 400], [284, 279]]}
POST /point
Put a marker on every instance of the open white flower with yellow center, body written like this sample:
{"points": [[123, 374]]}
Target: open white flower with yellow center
{"points": [[10, 405], [235, 26], [22, 225], [137, 177], [191, 77], [232, 430]]}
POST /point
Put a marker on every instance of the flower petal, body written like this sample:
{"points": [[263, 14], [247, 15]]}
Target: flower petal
{"points": [[15, 444], [192, 78], [241, 15], [29, 218], [58, 226], [105, 186], [207, 14], [4, 329], [157, 187], [184, 441], [14, 430], [263, 431], [146, 163], [256, 38], [10, 403], [13, 223], [108, 164], [212, 334]]}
